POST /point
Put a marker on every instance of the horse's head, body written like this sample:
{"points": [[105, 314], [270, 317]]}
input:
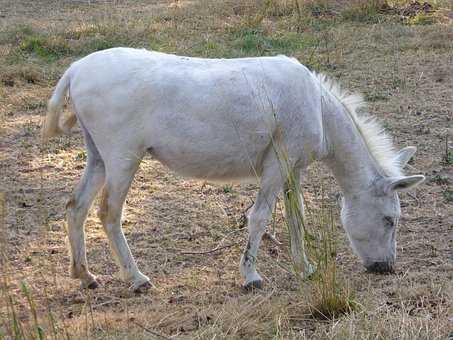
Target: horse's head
{"points": [[370, 218]]}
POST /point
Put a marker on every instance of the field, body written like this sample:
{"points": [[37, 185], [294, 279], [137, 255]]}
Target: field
{"points": [[188, 235]]}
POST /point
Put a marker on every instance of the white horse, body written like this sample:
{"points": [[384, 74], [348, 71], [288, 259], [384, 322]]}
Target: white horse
{"points": [[217, 119]]}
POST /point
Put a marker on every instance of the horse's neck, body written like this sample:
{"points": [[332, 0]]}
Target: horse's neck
{"points": [[348, 157]]}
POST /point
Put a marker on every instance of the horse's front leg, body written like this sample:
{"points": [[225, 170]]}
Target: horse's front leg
{"points": [[260, 213]]}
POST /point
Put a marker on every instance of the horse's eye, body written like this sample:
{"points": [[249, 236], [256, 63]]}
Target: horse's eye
{"points": [[389, 221]]}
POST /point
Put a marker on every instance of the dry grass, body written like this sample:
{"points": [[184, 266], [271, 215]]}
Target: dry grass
{"points": [[404, 69]]}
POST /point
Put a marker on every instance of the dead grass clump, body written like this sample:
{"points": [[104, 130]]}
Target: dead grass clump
{"points": [[364, 11], [28, 73], [384, 323], [279, 8], [254, 317], [331, 296], [313, 249]]}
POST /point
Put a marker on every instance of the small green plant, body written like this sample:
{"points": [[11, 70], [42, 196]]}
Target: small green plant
{"points": [[386, 125], [319, 8], [227, 188], [440, 180], [448, 195], [448, 156], [81, 156], [47, 48], [363, 11], [376, 96], [256, 42], [29, 128]]}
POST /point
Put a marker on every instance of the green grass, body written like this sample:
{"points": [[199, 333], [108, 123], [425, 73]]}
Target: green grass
{"points": [[448, 195], [252, 42], [440, 180], [47, 48], [227, 188], [448, 157], [313, 249], [250, 37]]}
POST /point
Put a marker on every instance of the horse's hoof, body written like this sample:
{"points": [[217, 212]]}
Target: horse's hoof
{"points": [[141, 287], [253, 285], [92, 285]]}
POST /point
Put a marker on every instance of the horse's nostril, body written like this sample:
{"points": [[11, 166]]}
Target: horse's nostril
{"points": [[380, 267]]}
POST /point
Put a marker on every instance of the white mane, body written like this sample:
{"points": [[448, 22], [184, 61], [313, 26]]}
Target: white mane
{"points": [[378, 142]]}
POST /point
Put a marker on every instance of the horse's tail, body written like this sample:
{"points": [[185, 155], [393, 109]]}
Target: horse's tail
{"points": [[51, 126]]}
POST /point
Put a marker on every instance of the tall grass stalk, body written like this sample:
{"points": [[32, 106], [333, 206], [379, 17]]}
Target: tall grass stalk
{"points": [[39, 331], [330, 295], [294, 219], [13, 325], [313, 250]]}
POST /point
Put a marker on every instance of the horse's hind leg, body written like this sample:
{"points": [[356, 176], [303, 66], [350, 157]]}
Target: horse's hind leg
{"points": [[120, 173], [77, 210]]}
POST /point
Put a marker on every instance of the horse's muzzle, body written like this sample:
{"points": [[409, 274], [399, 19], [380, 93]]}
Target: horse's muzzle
{"points": [[381, 267]]}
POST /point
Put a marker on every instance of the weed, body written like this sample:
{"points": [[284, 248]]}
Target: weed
{"points": [[94, 44], [31, 303], [81, 156], [331, 296], [448, 156], [227, 188], [16, 35], [48, 48], [363, 11], [255, 41], [209, 48], [279, 8], [296, 227], [386, 125], [320, 8], [448, 195], [375, 96], [29, 128], [86, 30], [440, 180], [313, 251]]}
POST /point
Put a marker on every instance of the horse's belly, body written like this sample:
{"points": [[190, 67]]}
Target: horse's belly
{"points": [[209, 157]]}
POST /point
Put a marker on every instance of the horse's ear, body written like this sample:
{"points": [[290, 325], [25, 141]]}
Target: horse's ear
{"points": [[405, 154], [402, 183]]}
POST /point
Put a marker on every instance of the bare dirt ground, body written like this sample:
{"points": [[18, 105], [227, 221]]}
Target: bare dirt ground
{"points": [[405, 72]]}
